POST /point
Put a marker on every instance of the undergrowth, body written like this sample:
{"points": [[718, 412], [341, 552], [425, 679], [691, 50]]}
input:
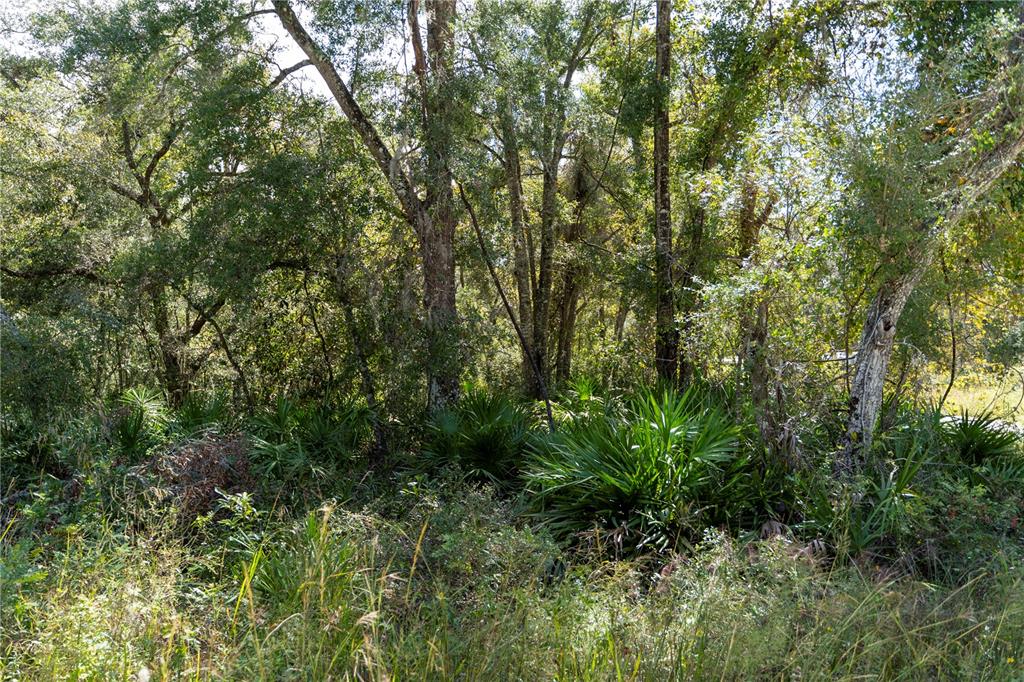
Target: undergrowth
{"points": [[645, 539]]}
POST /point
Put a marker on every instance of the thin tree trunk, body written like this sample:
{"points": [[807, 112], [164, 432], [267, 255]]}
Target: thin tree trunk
{"points": [[545, 278], [521, 251], [620, 317], [754, 319], [666, 345], [952, 334], [508, 306], [689, 284], [572, 277]]}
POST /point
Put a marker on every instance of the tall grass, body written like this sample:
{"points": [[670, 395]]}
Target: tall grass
{"points": [[454, 591]]}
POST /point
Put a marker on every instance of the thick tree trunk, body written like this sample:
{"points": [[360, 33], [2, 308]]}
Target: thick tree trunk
{"points": [[873, 354], [666, 345], [437, 244], [174, 373], [879, 333], [442, 325]]}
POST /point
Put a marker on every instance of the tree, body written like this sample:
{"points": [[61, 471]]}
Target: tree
{"points": [[958, 152], [667, 342], [427, 201]]}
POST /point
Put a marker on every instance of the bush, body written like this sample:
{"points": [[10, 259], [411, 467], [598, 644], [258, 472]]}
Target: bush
{"points": [[486, 435], [650, 476], [880, 513], [292, 443], [979, 438], [199, 413], [140, 422]]}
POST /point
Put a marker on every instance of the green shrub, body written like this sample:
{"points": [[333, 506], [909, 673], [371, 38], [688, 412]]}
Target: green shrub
{"points": [[878, 513], [198, 413], [979, 438], [655, 473], [141, 421], [486, 434], [293, 443]]}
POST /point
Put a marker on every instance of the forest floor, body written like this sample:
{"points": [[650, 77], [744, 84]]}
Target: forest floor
{"points": [[443, 580], [180, 546]]}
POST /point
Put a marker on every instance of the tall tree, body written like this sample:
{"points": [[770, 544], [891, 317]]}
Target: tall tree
{"points": [[965, 149], [666, 345], [426, 198]]}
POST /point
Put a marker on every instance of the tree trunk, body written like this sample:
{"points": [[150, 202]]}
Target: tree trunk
{"points": [[689, 284], [873, 355], [442, 326], [879, 334], [568, 307], [573, 275], [666, 345], [621, 313], [521, 250], [174, 373], [545, 278], [438, 241], [754, 319], [433, 219]]}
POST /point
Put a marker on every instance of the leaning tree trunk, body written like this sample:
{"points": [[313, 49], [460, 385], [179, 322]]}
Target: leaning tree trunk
{"points": [[873, 355], [973, 183], [666, 344]]}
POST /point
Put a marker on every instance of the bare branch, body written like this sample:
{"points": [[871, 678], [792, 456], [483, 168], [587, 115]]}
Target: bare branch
{"points": [[287, 72]]}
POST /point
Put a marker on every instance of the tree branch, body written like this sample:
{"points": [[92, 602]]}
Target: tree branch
{"points": [[50, 272], [287, 72], [399, 181]]}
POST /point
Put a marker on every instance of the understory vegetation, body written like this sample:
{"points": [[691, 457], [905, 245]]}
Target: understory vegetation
{"points": [[646, 538], [384, 340]]}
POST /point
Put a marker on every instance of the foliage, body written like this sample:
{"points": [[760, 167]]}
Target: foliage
{"points": [[198, 413], [453, 584], [140, 422], [293, 443], [224, 283], [487, 434], [659, 471], [980, 438]]}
